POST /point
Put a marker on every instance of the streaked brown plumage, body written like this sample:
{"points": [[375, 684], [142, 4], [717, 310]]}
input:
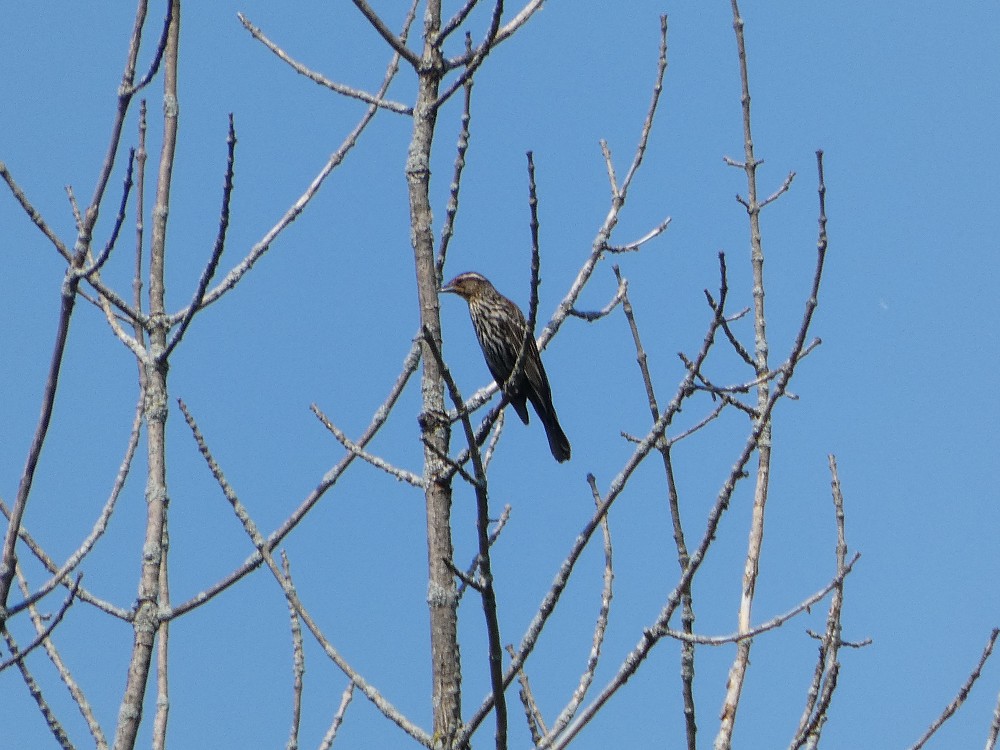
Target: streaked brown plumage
{"points": [[500, 327]]}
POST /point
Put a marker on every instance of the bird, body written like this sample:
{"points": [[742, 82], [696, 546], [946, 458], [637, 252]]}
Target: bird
{"points": [[501, 328]]}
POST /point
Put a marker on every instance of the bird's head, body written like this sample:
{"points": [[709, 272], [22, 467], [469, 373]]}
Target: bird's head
{"points": [[467, 285]]}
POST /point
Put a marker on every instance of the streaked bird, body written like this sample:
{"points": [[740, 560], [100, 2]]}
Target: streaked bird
{"points": [[500, 327]]}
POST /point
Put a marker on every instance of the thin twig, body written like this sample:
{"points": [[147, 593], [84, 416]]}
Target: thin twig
{"points": [[451, 210], [591, 315], [398, 43], [963, 692], [322, 80], [600, 627], [220, 244], [82, 593], [517, 371], [42, 636], [75, 208], [338, 718], [673, 499], [457, 20], [298, 662], [775, 622], [494, 535], [478, 56], [77, 694], [991, 737], [780, 191], [35, 690], [154, 64], [101, 259], [532, 713], [36, 218], [653, 233], [8, 558], [379, 463]]}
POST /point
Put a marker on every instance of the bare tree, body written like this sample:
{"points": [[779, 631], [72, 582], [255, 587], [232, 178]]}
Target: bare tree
{"points": [[444, 71]]}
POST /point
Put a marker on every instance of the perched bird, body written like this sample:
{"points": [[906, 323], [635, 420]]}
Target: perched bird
{"points": [[500, 328]]}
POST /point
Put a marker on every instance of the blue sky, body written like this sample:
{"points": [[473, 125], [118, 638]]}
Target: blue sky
{"points": [[904, 99]]}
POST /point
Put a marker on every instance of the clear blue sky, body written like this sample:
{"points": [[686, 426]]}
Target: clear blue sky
{"points": [[903, 97]]}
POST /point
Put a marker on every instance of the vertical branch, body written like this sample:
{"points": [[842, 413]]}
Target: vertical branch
{"points": [[448, 230], [8, 559], [298, 662], [483, 563], [140, 208], [152, 595], [827, 670], [738, 669], [673, 500], [442, 597]]}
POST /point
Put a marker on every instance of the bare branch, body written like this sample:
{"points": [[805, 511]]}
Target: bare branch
{"points": [[775, 622], [338, 718], [322, 80], [631, 247], [517, 370], [35, 690], [827, 670], [591, 315], [647, 125], [494, 535], [478, 56], [379, 463], [398, 43], [75, 208], [100, 741], [451, 210], [36, 218], [599, 246], [601, 242], [154, 65], [633, 660], [42, 636], [600, 627], [991, 738], [518, 21], [673, 499], [532, 714], [617, 486], [8, 559], [220, 244], [457, 20], [485, 584], [610, 165], [780, 191], [298, 663], [96, 265], [963, 692], [82, 594], [126, 91]]}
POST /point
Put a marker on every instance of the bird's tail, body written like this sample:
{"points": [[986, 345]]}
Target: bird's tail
{"points": [[558, 442]]}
